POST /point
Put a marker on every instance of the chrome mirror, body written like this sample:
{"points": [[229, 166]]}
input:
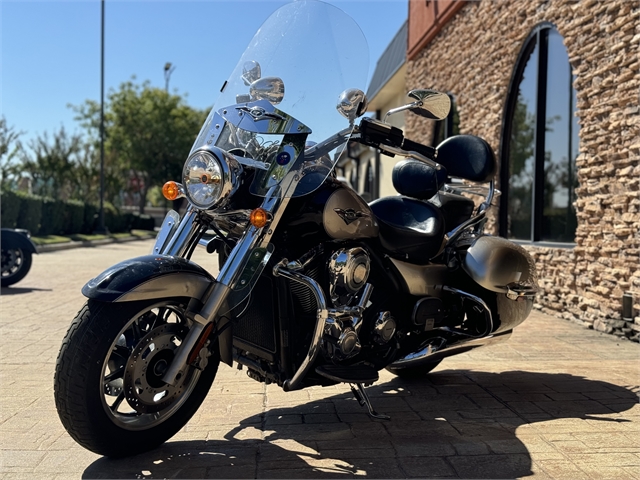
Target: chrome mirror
{"points": [[428, 103], [352, 103], [431, 104], [251, 72], [268, 88]]}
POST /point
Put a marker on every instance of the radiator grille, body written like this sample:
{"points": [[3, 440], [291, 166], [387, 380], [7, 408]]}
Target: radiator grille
{"points": [[256, 325], [304, 300]]}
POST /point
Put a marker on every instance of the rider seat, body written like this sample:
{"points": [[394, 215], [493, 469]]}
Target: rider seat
{"points": [[410, 229]]}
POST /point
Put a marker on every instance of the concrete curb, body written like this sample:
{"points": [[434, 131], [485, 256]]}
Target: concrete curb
{"points": [[55, 247]]}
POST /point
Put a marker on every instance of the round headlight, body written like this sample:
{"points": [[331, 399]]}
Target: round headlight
{"points": [[203, 178]]}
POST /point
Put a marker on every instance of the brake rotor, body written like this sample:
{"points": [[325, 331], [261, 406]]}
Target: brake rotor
{"points": [[143, 386]]}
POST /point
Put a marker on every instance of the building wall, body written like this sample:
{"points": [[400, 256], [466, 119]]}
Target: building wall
{"points": [[474, 56], [386, 162]]}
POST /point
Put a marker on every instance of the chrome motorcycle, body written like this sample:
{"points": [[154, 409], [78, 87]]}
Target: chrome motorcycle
{"points": [[316, 287]]}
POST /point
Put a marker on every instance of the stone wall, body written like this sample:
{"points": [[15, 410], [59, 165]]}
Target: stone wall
{"points": [[474, 56]]}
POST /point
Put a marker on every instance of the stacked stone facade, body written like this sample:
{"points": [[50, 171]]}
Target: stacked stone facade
{"points": [[474, 56]]}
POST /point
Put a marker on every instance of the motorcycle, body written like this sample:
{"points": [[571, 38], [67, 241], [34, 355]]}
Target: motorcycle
{"points": [[315, 286], [17, 253]]}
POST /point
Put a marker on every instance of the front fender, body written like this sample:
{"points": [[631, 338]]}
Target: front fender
{"points": [[149, 277], [14, 239]]}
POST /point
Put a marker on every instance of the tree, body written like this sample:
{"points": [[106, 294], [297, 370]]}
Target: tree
{"points": [[148, 132], [10, 149], [51, 165]]}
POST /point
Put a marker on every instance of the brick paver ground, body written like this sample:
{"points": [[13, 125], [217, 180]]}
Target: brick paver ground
{"points": [[556, 401]]}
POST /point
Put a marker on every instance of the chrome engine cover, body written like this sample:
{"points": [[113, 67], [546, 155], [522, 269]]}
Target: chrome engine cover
{"points": [[348, 273]]}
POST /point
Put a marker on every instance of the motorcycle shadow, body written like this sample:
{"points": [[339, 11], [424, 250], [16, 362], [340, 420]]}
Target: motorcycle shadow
{"points": [[21, 290], [459, 424]]}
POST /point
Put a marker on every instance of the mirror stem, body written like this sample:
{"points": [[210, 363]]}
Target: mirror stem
{"points": [[393, 111]]}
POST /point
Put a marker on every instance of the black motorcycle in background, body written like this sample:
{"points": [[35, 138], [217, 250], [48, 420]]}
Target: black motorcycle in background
{"points": [[316, 287], [17, 253]]}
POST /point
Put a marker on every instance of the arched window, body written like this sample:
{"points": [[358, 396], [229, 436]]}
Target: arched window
{"points": [[540, 144]]}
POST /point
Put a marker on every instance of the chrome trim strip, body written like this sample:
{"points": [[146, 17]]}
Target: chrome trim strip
{"points": [[430, 354], [294, 382]]}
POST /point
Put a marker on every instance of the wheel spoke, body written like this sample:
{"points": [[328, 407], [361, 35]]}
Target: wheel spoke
{"points": [[137, 333], [116, 404], [113, 375], [121, 351]]}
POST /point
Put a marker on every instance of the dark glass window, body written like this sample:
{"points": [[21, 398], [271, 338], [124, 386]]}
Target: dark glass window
{"points": [[540, 145]]}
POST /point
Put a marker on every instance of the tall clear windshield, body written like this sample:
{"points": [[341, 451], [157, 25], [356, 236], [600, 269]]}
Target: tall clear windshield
{"points": [[281, 98]]}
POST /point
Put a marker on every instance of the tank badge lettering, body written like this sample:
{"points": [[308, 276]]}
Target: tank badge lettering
{"points": [[259, 113], [350, 215], [283, 158]]}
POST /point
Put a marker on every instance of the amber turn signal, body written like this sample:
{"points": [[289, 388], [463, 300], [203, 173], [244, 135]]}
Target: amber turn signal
{"points": [[259, 217], [171, 190]]}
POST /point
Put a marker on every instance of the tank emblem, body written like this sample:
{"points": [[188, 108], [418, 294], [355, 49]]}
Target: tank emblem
{"points": [[283, 158], [350, 215]]}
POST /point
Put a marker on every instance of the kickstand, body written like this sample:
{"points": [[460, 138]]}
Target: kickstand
{"points": [[363, 400]]}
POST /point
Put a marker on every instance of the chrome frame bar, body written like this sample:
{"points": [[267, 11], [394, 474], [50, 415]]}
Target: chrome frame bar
{"points": [[322, 314]]}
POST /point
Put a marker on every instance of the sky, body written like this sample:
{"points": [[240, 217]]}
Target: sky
{"points": [[50, 50]]}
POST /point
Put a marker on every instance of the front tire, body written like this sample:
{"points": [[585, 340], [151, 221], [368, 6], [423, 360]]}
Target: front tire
{"points": [[16, 263], [108, 389]]}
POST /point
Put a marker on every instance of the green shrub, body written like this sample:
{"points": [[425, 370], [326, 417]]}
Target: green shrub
{"points": [[74, 216], [91, 218], [9, 208], [52, 220], [143, 222], [113, 220], [30, 212]]}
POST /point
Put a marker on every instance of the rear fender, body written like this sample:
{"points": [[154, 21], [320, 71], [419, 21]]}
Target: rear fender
{"points": [[149, 277]]}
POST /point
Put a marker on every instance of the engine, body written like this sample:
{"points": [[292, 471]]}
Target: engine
{"points": [[348, 273]]}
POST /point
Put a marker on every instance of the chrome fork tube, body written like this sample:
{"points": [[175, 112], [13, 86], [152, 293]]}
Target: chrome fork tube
{"points": [[227, 278], [179, 244]]}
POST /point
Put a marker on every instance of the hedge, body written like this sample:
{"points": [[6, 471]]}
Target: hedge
{"points": [[46, 216], [9, 208]]}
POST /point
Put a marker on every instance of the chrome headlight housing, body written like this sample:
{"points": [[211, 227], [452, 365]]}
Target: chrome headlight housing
{"points": [[209, 177]]}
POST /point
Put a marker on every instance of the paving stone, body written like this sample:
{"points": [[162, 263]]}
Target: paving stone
{"points": [[492, 466], [571, 407]]}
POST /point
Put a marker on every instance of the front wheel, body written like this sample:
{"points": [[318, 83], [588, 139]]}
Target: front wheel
{"points": [[108, 384], [16, 263]]}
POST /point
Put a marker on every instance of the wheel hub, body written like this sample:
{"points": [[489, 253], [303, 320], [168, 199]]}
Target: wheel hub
{"points": [[143, 386], [10, 261]]}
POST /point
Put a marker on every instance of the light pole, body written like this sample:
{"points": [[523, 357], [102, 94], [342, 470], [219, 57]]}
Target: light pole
{"points": [[102, 228]]}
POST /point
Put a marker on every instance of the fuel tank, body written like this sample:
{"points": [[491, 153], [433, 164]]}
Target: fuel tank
{"points": [[346, 216], [333, 212]]}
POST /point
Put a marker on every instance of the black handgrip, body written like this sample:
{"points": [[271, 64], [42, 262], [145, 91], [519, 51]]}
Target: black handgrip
{"points": [[425, 150]]}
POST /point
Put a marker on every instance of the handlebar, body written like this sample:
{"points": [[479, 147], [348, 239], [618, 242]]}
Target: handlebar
{"points": [[386, 137], [425, 150]]}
